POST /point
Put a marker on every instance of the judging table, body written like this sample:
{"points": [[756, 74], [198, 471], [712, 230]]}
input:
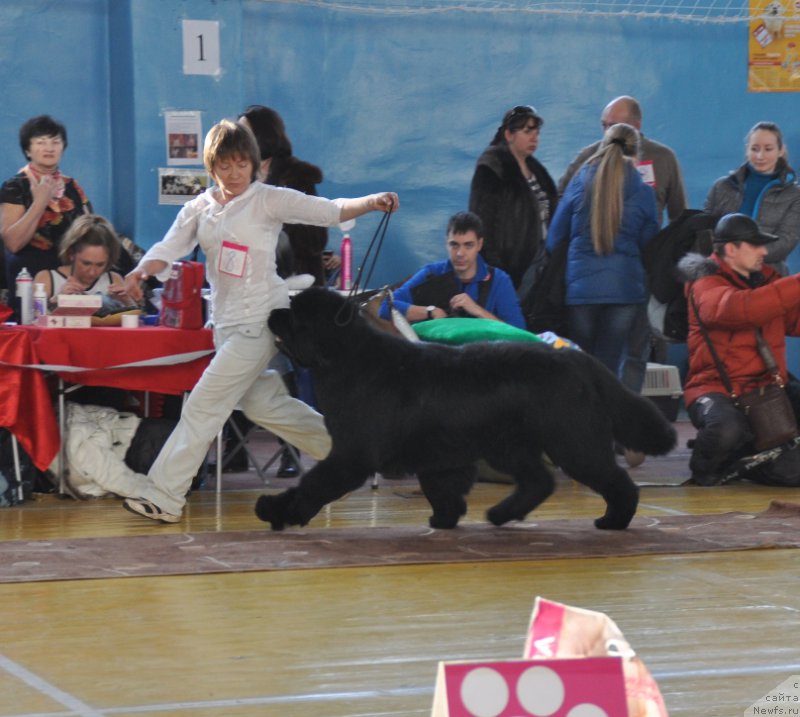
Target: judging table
{"points": [[151, 359]]}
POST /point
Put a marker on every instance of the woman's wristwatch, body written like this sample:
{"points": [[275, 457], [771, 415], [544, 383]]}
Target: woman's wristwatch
{"points": [[430, 310]]}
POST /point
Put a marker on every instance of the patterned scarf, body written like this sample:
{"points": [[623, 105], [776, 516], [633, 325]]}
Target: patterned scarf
{"points": [[57, 206]]}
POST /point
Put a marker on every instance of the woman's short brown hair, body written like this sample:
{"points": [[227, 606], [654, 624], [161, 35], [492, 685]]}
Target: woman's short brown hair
{"points": [[228, 139]]}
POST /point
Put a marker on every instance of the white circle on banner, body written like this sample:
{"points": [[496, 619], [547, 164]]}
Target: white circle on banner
{"points": [[587, 710], [540, 691], [484, 692]]}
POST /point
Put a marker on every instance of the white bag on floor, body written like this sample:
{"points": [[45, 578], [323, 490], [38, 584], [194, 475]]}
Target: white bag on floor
{"points": [[97, 439]]}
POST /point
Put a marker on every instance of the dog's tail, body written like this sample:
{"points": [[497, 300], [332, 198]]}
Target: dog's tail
{"points": [[637, 423]]}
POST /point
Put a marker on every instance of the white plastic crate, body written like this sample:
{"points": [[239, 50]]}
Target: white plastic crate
{"points": [[662, 385], [662, 380]]}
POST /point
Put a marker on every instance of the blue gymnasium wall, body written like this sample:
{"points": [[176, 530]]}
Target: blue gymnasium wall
{"points": [[54, 60], [379, 100]]}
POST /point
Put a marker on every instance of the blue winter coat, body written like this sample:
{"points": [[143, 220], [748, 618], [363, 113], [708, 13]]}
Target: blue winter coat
{"points": [[616, 278]]}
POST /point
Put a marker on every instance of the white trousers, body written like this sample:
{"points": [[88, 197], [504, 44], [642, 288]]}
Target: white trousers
{"points": [[235, 378]]}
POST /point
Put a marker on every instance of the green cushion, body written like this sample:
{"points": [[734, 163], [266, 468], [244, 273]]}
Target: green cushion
{"points": [[465, 330]]}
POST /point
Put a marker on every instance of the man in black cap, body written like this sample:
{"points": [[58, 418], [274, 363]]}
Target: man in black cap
{"points": [[736, 295]]}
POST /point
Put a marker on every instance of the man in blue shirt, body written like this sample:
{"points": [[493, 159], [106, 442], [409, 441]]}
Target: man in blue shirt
{"points": [[462, 285]]}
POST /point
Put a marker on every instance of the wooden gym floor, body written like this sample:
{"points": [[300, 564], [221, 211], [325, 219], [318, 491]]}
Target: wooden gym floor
{"points": [[717, 630]]}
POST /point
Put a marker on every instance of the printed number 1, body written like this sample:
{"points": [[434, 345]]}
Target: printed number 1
{"points": [[200, 47]]}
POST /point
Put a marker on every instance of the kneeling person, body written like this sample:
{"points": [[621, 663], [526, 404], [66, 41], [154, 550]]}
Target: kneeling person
{"points": [[462, 285], [737, 306]]}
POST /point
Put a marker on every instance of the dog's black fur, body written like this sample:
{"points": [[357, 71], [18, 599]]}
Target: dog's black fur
{"points": [[434, 410]]}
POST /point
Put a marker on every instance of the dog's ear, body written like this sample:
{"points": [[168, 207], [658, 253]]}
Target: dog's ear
{"points": [[279, 321], [304, 336]]}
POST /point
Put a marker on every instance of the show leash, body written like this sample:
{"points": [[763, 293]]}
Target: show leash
{"points": [[356, 296]]}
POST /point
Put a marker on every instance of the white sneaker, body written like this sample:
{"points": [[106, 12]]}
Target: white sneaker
{"points": [[145, 508]]}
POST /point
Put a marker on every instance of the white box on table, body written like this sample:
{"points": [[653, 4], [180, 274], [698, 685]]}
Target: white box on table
{"points": [[56, 321], [77, 304], [73, 311], [77, 322], [51, 322]]}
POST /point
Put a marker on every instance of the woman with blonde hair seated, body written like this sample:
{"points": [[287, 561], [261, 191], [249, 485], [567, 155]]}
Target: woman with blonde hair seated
{"points": [[88, 250]]}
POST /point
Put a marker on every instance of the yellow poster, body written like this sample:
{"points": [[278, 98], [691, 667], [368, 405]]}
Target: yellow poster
{"points": [[774, 46]]}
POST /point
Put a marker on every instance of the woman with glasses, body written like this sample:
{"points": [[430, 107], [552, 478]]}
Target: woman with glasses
{"points": [[765, 189], [38, 204], [515, 197]]}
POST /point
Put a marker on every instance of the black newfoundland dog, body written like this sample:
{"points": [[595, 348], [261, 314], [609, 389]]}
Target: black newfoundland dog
{"points": [[434, 410]]}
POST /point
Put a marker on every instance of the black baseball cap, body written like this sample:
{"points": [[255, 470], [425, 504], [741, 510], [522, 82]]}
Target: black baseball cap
{"points": [[740, 227]]}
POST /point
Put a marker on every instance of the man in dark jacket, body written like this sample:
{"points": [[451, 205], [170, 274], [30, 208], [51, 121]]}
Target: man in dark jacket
{"points": [[735, 294]]}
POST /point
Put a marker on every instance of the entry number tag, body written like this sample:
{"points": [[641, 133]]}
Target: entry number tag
{"points": [[232, 259], [647, 172]]}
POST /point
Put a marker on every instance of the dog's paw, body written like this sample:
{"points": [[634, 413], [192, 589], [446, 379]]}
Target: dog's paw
{"points": [[443, 522], [606, 523], [271, 510], [619, 510], [498, 516], [285, 509]]}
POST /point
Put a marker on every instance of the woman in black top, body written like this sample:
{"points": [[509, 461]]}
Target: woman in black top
{"points": [[38, 204], [281, 168]]}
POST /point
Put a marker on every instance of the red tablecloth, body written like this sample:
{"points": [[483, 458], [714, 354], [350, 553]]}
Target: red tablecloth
{"points": [[25, 405], [99, 348], [26, 409]]}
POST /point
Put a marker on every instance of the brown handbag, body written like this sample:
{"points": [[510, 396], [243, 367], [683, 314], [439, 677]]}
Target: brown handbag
{"points": [[768, 409], [770, 414]]}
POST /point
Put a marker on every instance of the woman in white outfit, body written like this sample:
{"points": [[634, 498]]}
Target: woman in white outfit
{"points": [[236, 223]]}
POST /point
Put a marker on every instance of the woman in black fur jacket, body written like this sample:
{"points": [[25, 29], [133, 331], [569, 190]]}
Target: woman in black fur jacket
{"points": [[282, 169], [514, 195]]}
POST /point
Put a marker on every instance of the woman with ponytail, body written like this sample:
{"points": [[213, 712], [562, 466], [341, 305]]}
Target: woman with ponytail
{"points": [[607, 215]]}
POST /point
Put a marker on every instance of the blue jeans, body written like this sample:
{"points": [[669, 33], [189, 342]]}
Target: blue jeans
{"points": [[603, 330], [634, 362]]}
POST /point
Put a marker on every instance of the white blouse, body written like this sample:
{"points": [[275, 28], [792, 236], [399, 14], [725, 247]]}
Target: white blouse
{"points": [[239, 240]]}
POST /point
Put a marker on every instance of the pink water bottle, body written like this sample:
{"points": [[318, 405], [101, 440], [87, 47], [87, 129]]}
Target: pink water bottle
{"points": [[346, 252]]}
